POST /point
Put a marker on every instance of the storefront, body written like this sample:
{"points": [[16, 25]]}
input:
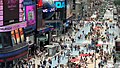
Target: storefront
{"points": [[12, 37], [29, 34], [57, 25], [15, 47], [44, 37], [30, 17], [53, 49]]}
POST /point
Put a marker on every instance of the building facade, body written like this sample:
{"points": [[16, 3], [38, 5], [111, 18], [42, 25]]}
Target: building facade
{"points": [[13, 45]]}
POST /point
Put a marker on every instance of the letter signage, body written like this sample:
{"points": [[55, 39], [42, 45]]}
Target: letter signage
{"points": [[60, 4]]}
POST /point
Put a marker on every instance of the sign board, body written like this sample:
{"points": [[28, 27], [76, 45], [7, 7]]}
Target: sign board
{"points": [[59, 4]]}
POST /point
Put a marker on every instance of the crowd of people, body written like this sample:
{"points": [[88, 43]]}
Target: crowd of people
{"points": [[98, 32]]}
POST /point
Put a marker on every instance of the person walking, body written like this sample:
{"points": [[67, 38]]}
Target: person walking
{"points": [[44, 62], [55, 57]]}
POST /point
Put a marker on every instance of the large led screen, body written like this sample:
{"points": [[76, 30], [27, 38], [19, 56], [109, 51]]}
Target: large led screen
{"points": [[1, 12], [10, 11], [30, 15]]}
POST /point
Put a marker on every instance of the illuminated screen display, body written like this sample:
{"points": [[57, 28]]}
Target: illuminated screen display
{"points": [[21, 34], [1, 12], [21, 11], [17, 35], [30, 15], [10, 7], [59, 4]]}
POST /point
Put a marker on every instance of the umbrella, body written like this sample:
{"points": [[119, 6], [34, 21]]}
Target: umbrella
{"points": [[84, 54], [96, 28], [100, 42], [74, 60], [86, 42], [99, 45], [99, 22]]}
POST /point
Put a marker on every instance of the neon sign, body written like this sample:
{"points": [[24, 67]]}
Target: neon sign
{"points": [[49, 10], [40, 4], [2, 60], [13, 53], [59, 4], [15, 57], [13, 27]]}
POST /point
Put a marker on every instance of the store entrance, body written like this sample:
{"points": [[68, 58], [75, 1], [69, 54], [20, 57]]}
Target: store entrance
{"points": [[42, 40]]}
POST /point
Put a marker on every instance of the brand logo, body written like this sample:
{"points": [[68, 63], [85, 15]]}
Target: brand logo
{"points": [[60, 4]]}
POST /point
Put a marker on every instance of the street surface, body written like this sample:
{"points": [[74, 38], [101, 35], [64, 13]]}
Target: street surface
{"points": [[81, 42]]}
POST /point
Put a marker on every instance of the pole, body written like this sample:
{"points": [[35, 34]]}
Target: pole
{"points": [[5, 64]]}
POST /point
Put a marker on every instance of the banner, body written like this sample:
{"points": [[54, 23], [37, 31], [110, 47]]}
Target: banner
{"points": [[12, 27], [10, 11]]}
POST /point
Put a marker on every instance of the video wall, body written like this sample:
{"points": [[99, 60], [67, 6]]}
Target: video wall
{"points": [[117, 44], [11, 11], [21, 11], [17, 36], [1, 12]]}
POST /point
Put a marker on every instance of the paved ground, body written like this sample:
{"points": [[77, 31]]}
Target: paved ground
{"points": [[64, 59]]}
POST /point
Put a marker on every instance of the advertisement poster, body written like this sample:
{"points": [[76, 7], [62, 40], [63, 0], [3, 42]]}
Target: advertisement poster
{"points": [[10, 11], [1, 12], [21, 11], [17, 35], [30, 15], [21, 34], [13, 37]]}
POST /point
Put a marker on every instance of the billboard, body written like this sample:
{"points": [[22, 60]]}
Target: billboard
{"points": [[10, 11], [30, 15], [1, 12]]}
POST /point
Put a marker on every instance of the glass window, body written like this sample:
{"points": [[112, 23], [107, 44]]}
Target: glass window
{"points": [[6, 37]]}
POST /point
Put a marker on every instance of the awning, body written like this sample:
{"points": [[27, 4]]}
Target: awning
{"points": [[74, 60], [49, 46], [99, 45]]}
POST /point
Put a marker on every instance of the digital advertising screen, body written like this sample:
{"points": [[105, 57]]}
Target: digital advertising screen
{"points": [[1, 12], [10, 11], [13, 37], [21, 34], [17, 35], [59, 4], [30, 15], [21, 11]]}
